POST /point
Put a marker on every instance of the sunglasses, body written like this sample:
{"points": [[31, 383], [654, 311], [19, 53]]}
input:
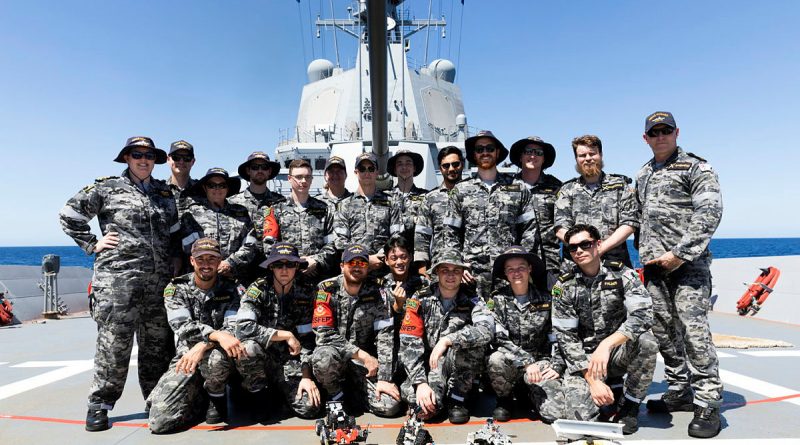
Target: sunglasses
{"points": [[584, 245], [149, 155], [217, 185], [480, 149], [182, 158], [656, 132], [257, 167], [364, 168], [449, 165], [536, 151], [283, 265], [357, 263]]}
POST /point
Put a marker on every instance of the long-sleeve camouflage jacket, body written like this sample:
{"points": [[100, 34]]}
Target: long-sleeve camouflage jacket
{"points": [[194, 313], [409, 205], [263, 312], [333, 201], [147, 223], [428, 231], [308, 228], [544, 197], [587, 310], [522, 330], [256, 204], [230, 226], [611, 205], [681, 207], [356, 322], [465, 320], [484, 220], [366, 221], [183, 196]]}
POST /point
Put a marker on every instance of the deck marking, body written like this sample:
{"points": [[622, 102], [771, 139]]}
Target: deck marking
{"points": [[721, 354], [67, 368], [758, 386], [789, 353], [3, 363]]}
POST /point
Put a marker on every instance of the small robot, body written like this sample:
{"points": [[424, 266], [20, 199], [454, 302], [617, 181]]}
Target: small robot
{"points": [[488, 435], [338, 428], [413, 432]]}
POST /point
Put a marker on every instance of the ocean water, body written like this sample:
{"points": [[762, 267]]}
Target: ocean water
{"points": [[720, 248]]}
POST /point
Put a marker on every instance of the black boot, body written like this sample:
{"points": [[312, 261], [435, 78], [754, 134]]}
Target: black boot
{"points": [[502, 411], [705, 423], [628, 416], [673, 400], [97, 419], [217, 410], [457, 413]]}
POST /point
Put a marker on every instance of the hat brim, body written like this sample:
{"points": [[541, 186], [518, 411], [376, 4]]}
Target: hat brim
{"points": [[469, 145], [549, 152], [234, 185], [301, 263], [454, 263], [538, 270], [161, 155], [419, 163], [242, 170]]}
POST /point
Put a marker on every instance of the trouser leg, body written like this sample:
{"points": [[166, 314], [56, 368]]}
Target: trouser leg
{"points": [[578, 403], [637, 359], [153, 335], [215, 368], [176, 401], [253, 367], [503, 374], [667, 331], [329, 365]]}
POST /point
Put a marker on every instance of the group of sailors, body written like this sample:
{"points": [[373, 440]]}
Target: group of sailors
{"points": [[381, 298]]}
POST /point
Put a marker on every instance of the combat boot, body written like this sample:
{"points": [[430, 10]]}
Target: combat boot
{"points": [[502, 411], [673, 400], [97, 419], [217, 410], [628, 416], [457, 413], [706, 422]]}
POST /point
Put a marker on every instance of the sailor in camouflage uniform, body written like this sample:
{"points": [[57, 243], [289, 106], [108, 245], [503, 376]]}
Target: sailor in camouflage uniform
{"points": [[274, 324], [489, 212], [335, 176], [355, 336], [257, 197], [605, 201], [303, 221], [430, 218], [368, 216], [201, 308], [443, 337], [602, 316], [181, 160], [216, 217], [523, 345], [681, 207], [533, 156], [134, 260], [408, 198]]}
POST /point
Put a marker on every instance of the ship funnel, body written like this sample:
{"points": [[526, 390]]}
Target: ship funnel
{"points": [[319, 69], [443, 69]]}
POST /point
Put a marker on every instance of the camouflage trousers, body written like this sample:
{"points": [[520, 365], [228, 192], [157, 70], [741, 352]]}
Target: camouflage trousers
{"points": [[504, 375], [334, 370], [681, 301], [179, 399], [570, 397], [266, 369], [126, 306], [481, 269]]}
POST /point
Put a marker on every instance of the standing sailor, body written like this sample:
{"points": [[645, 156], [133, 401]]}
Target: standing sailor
{"points": [[181, 160], [406, 165], [335, 175]]}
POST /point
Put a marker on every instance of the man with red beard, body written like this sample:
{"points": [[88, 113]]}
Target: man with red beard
{"points": [[605, 201]]}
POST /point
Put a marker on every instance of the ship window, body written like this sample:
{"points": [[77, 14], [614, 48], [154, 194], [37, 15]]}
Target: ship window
{"points": [[286, 163], [319, 164]]}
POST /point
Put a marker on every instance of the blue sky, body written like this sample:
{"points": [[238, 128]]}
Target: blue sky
{"points": [[79, 77]]}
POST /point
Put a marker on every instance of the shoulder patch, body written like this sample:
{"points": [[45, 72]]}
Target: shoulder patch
{"points": [[253, 292], [557, 290], [323, 296], [490, 304], [412, 304], [169, 290], [704, 167]]}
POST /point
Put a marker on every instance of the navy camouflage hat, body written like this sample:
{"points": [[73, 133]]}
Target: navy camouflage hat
{"points": [[469, 144], [449, 256], [274, 166], [354, 251], [284, 252], [181, 145], [206, 246], [367, 156], [335, 160], [538, 271], [141, 142], [419, 163], [519, 146], [659, 117], [234, 184]]}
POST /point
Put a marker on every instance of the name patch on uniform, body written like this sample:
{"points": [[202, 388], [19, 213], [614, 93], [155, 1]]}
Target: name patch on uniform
{"points": [[680, 166], [224, 297], [548, 190], [511, 188], [540, 307], [611, 284], [165, 194], [367, 298], [613, 186]]}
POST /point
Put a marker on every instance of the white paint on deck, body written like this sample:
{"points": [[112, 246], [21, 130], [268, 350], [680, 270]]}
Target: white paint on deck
{"points": [[776, 353], [721, 354], [716, 441], [758, 386], [67, 368]]}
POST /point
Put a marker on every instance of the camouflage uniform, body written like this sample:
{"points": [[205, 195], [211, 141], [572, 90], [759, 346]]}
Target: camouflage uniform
{"points": [[522, 337], [681, 207], [465, 320], [268, 364], [607, 207], [343, 324], [230, 226], [256, 205], [544, 198], [413, 283], [193, 315], [586, 310], [333, 201], [483, 220], [367, 221], [409, 205], [184, 197], [128, 279], [310, 228], [429, 225]]}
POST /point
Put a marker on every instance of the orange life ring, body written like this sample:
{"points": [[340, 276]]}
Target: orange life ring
{"points": [[757, 293]]}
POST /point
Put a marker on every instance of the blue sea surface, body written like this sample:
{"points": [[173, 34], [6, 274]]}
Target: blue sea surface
{"points": [[720, 248]]}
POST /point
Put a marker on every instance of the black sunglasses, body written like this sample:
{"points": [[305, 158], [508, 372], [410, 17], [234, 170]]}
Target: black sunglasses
{"points": [[536, 151], [480, 149], [182, 158], [449, 165], [149, 155], [364, 168], [283, 265], [584, 245], [217, 185], [257, 167], [656, 132]]}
